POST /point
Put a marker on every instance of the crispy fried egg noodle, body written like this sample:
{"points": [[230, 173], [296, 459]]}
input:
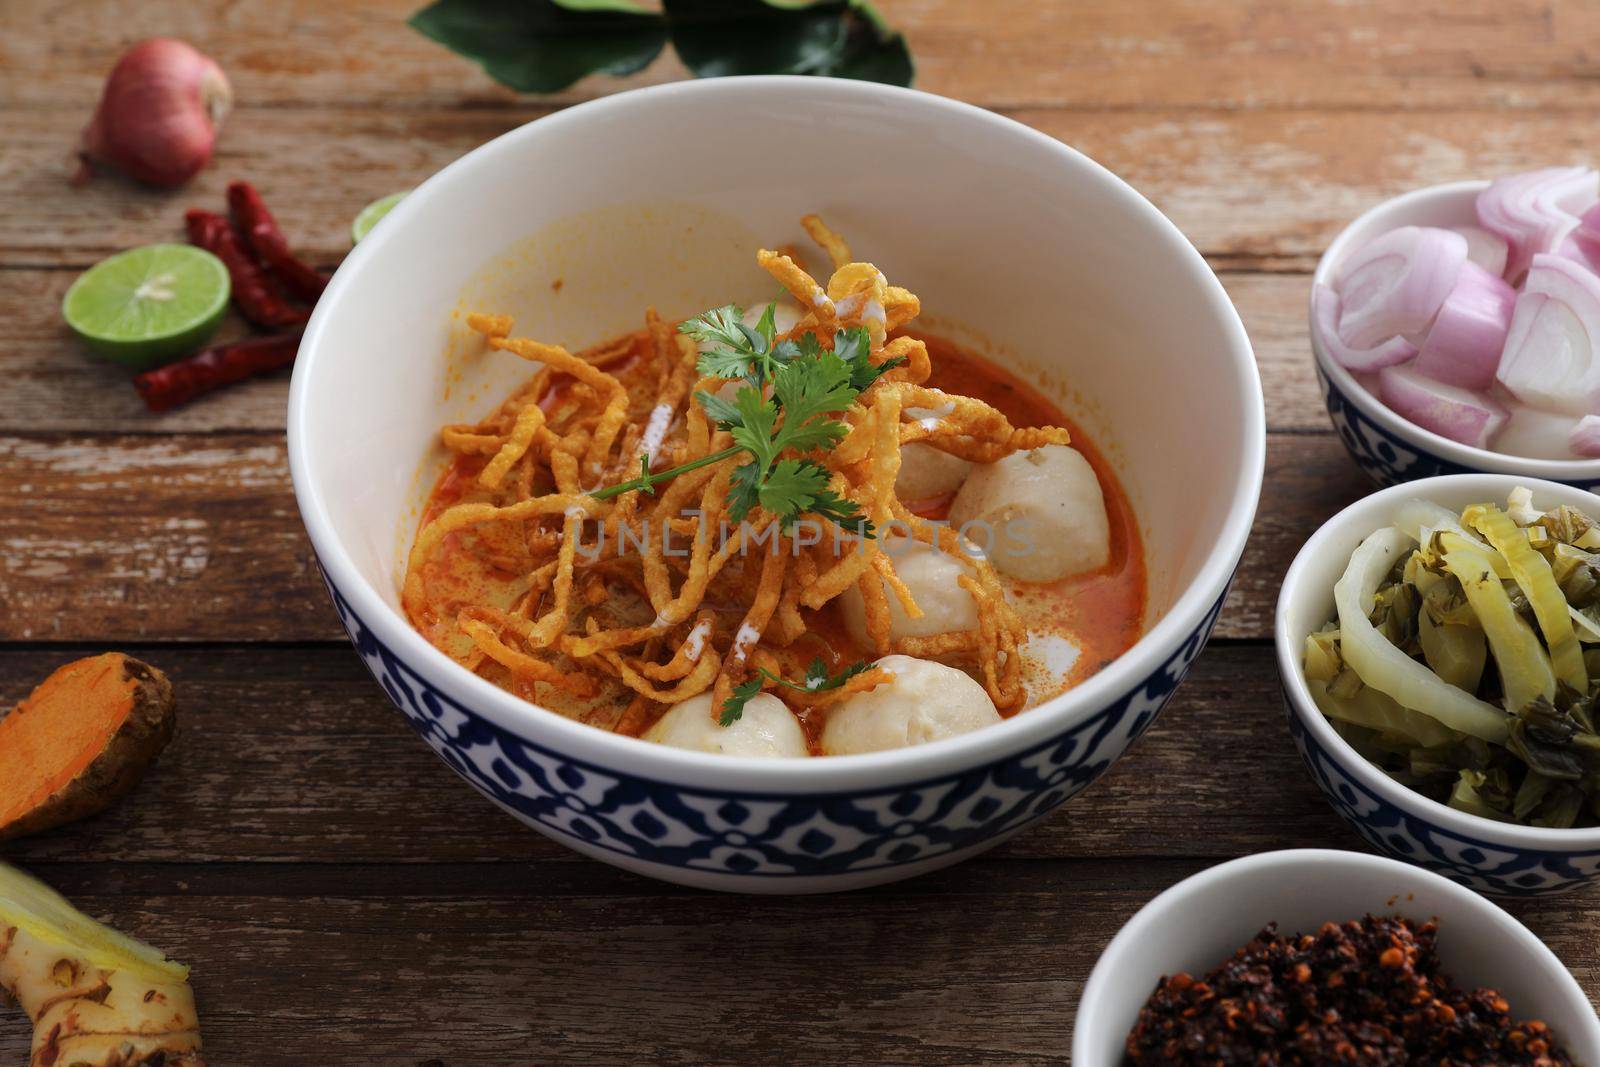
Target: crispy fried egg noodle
{"points": [[633, 604]]}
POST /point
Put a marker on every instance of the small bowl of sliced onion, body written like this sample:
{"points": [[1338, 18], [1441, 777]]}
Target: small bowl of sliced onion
{"points": [[1456, 330]]}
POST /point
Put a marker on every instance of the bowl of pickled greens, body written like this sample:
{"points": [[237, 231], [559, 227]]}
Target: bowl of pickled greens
{"points": [[1439, 643]]}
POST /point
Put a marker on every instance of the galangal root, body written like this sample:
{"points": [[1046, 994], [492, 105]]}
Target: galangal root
{"points": [[97, 998], [81, 740]]}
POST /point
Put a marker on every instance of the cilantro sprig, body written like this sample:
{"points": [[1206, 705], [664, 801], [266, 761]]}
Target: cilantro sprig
{"points": [[817, 680], [790, 391]]}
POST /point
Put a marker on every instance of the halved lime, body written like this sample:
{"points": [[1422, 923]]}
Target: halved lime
{"points": [[372, 213], [148, 305]]}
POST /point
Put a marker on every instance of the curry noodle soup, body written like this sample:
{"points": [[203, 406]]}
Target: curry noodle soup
{"points": [[799, 529]]}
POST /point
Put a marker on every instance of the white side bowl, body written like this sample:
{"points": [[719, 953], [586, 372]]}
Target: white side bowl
{"points": [[1389, 448], [1492, 857], [574, 224], [1204, 919]]}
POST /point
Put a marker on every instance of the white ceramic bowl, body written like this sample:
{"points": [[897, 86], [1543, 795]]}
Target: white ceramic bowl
{"points": [[1493, 857], [661, 196], [1201, 921], [1389, 448]]}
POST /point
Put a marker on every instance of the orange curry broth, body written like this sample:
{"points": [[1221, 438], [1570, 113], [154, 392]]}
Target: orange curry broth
{"points": [[1101, 612]]}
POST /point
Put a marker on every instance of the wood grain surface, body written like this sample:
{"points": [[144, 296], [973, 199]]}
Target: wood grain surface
{"points": [[343, 898]]}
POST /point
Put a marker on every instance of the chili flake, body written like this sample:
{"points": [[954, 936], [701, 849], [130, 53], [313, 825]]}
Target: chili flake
{"points": [[1364, 992]]}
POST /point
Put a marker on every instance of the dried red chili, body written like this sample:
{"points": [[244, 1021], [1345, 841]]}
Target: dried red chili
{"points": [[214, 367], [261, 232], [1363, 992], [253, 292]]}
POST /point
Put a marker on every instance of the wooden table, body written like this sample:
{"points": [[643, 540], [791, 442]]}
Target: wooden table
{"points": [[341, 896]]}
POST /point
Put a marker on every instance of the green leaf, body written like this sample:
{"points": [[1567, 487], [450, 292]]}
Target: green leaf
{"points": [[792, 486], [852, 344], [719, 326], [744, 491], [757, 417], [875, 53], [811, 387], [541, 46], [717, 38], [719, 410], [817, 677], [843, 513], [733, 707], [767, 326]]}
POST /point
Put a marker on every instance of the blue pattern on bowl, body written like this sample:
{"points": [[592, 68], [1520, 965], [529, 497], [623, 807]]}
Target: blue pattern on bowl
{"points": [[767, 835], [1488, 868], [1387, 459]]}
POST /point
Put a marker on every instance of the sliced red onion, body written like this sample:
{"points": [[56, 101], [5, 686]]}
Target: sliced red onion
{"points": [[1585, 439], [1395, 284], [1446, 410], [1583, 245], [1550, 359], [1463, 347], [1536, 211], [1534, 434], [1325, 315], [1487, 250]]}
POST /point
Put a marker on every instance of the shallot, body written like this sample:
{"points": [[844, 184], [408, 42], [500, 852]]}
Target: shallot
{"points": [[1463, 347], [1448, 411], [1550, 361], [1487, 250], [1584, 244], [1585, 438], [1396, 284], [1536, 211], [1325, 315], [158, 116]]}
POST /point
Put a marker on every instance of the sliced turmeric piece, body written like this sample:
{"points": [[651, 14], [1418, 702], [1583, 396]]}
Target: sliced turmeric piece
{"points": [[97, 998], [80, 741]]}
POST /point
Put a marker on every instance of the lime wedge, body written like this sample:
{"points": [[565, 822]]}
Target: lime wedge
{"points": [[148, 305], [373, 213]]}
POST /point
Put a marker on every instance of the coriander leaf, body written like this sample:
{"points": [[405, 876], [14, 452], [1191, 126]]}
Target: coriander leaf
{"points": [[724, 363], [792, 486], [811, 387], [733, 707], [541, 46], [744, 491], [754, 433], [803, 347], [767, 325], [757, 343], [817, 677], [843, 513], [718, 326], [719, 410], [852, 344], [864, 372]]}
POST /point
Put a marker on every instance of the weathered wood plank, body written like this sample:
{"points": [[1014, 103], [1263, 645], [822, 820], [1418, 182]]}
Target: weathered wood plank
{"points": [[197, 538], [48, 382], [489, 963], [1095, 54], [188, 538], [1248, 186], [296, 756]]}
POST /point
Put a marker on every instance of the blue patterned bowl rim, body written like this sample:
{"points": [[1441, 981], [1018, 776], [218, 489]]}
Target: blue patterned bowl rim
{"points": [[1424, 207], [1349, 527], [659, 762]]}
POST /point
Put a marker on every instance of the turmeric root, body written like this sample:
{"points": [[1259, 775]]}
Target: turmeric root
{"points": [[97, 998], [81, 740]]}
